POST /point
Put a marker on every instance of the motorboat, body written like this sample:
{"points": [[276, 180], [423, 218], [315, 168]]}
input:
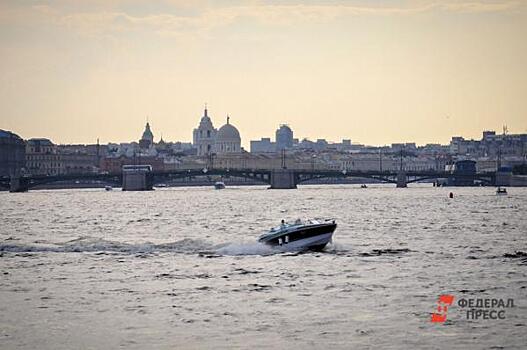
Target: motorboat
{"points": [[300, 235], [501, 191], [363, 186], [108, 188], [219, 185]]}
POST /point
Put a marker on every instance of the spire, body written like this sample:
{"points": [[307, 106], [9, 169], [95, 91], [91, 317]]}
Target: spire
{"points": [[205, 112], [147, 134], [228, 118]]}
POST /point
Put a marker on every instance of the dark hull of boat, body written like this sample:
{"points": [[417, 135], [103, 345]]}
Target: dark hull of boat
{"points": [[313, 237]]}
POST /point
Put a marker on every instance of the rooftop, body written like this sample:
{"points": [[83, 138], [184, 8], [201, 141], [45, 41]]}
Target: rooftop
{"points": [[9, 134]]}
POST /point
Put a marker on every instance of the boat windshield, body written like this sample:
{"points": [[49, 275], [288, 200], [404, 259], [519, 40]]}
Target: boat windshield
{"points": [[297, 222]]}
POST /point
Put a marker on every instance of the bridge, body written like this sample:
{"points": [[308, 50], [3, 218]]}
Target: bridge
{"points": [[276, 178]]}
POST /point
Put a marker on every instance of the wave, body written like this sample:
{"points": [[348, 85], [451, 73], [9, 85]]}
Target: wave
{"points": [[252, 248], [388, 251], [522, 256], [90, 244], [186, 246]]}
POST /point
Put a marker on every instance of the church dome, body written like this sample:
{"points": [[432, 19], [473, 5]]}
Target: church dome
{"points": [[147, 134], [228, 132], [228, 139]]}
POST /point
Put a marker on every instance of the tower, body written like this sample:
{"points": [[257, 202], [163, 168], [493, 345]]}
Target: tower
{"points": [[204, 135], [147, 139], [284, 137]]}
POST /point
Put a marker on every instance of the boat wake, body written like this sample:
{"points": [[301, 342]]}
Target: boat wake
{"points": [[184, 246], [95, 245], [249, 248]]}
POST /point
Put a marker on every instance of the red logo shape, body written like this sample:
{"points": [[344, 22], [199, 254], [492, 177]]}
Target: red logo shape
{"points": [[444, 301]]}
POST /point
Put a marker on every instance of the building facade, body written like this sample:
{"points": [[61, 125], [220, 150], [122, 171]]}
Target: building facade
{"points": [[114, 165], [491, 145], [204, 136], [263, 145], [42, 157], [12, 154], [284, 137]]}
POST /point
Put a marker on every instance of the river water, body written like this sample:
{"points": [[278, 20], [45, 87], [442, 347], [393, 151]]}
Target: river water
{"points": [[179, 268]]}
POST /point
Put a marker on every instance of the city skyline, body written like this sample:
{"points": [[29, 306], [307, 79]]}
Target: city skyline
{"points": [[409, 71], [158, 135]]}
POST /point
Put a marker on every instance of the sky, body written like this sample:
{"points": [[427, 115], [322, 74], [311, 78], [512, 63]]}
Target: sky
{"points": [[375, 72]]}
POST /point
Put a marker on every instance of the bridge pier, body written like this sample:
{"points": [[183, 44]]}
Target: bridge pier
{"points": [[137, 180], [503, 178], [283, 179], [18, 184], [401, 180]]}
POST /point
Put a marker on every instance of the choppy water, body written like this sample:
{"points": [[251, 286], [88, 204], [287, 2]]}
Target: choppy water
{"points": [[179, 268]]}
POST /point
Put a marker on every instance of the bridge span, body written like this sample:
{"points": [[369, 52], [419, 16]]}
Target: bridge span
{"points": [[275, 178]]}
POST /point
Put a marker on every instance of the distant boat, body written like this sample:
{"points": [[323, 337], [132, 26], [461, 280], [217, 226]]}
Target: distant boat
{"points": [[219, 185], [108, 188], [501, 191], [363, 186]]}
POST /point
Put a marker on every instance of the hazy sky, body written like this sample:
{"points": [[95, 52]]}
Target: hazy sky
{"points": [[375, 72]]}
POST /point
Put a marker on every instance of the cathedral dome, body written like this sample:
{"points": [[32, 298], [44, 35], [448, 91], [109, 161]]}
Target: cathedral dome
{"points": [[228, 139], [147, 134], [228, 132]]}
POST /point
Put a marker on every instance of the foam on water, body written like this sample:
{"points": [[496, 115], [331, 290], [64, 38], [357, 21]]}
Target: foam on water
{"points": [[90, 244], [186, 246], [249, 248]]}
